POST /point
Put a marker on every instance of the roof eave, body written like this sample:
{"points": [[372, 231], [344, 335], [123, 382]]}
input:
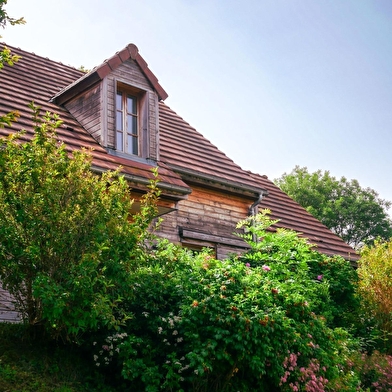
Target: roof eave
{"points": [[169, 190], [219, 183]]}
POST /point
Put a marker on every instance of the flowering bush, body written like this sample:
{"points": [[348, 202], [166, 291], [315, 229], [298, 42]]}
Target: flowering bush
{"points": [[105, 352], [255, 322], [374, 371]]}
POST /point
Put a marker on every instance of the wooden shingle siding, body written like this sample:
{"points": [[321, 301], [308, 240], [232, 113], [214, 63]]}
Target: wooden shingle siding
{"points": [[85, 108]]}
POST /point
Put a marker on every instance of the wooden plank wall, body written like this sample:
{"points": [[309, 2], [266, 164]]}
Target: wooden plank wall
{"points": [[207, 211], [7, 309]]}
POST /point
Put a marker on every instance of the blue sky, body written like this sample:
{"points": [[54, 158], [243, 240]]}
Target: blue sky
{"points": [[272, 83]]}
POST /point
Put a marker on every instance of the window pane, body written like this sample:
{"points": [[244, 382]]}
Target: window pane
{"points": [[132, 147], [119, 141], [119, 121], [118, 100], [131, 104], [132, 124]]}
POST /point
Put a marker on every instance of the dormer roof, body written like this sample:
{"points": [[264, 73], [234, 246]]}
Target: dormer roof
{"points": [[101, 71]]}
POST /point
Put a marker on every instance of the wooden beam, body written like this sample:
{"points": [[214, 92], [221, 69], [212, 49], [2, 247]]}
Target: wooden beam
{"points": [[198, 235]]}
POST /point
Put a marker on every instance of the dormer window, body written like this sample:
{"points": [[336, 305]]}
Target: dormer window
{"points": [[127, 122]]}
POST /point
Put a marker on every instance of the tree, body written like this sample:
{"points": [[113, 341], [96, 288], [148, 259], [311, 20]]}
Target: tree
{"points": [[375, 287], [67, 239], [357, 215]]}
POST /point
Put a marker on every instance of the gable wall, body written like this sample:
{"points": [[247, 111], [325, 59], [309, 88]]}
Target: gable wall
{"points": [[210, 212], [130, 73]]}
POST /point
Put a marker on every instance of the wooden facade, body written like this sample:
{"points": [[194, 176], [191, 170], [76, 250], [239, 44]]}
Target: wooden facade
{"points": [[207, 218]]}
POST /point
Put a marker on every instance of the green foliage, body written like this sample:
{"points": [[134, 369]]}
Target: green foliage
{"points": [[67, 240], [256, 322], [375, 288], [5, 18], [9, 118], [342, 279], [354, 213], [6, 57]]}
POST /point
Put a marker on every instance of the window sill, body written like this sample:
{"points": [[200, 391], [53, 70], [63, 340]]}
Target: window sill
{"points": [[131, 157]]}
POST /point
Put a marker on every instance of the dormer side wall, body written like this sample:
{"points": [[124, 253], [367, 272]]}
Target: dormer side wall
{"points": [[86, 109]]}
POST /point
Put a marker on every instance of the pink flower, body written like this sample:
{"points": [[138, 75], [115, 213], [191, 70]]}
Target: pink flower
{"points": [[247, 265], [266, 268], [320, 277]]}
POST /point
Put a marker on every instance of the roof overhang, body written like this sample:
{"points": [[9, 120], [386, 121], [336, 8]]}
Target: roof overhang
{"points": [[219, 183], [171, 191]]}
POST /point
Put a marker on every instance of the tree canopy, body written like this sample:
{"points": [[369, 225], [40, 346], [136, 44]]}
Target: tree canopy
{"points": [[356, 214]]}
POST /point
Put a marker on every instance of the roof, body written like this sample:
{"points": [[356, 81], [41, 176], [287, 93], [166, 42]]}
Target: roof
{"points": [[38, 79], [183, 150]]}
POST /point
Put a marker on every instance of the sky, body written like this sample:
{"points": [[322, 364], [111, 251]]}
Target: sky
{"points": [[272, 83]]}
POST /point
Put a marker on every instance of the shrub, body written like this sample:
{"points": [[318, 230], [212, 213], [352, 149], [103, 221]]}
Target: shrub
{"points": [[67, 241], [375, 289], [255, 322]]}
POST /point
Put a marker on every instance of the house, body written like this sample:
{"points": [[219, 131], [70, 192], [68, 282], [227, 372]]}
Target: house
{"points": [[118, 110]]}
